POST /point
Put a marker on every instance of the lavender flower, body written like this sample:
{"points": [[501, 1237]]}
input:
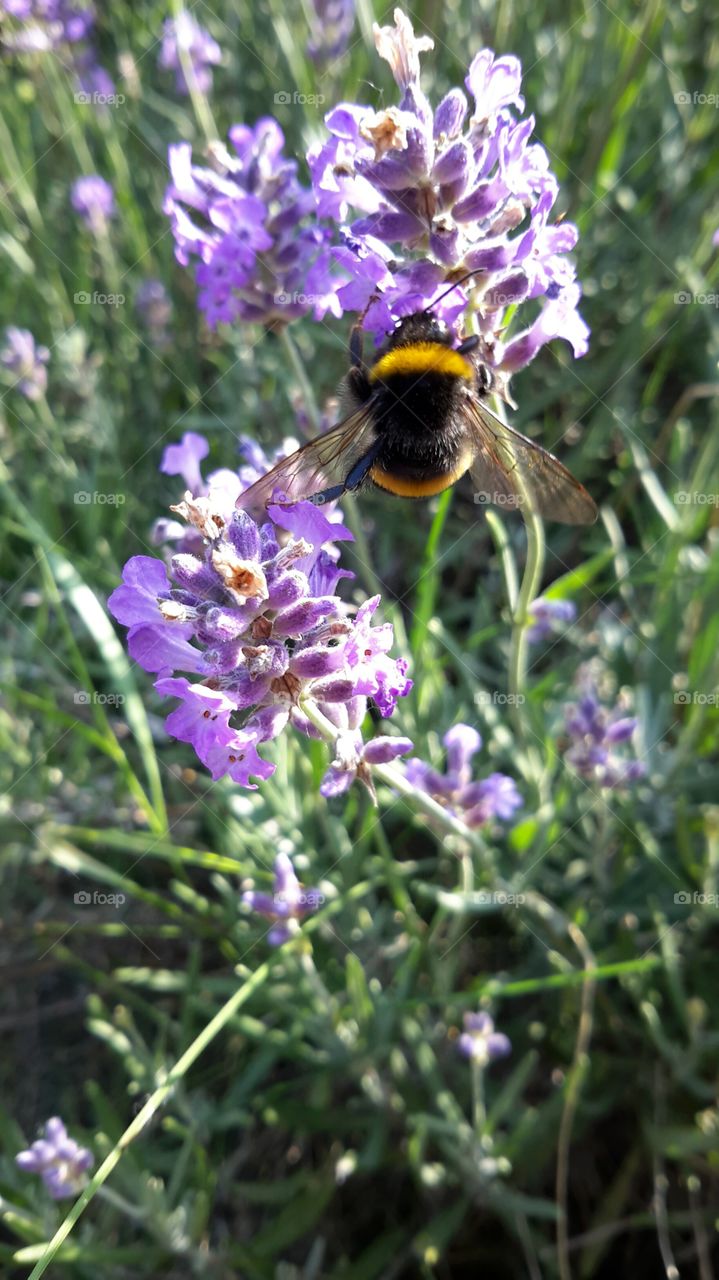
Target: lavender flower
{"points": [[26, 362], [331, 25], [62, 27], [354, 757], [546, 616], [48, 24], [92, 197], [59, 1160], [446, 192], [594, 734], [223, 486], [155, 308], [475, 803], [262, 255], [185, 44], [287, 905], [256, 618], [480, 1042]]}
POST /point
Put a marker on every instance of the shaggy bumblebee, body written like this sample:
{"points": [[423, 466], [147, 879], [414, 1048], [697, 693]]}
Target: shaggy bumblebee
{"points": [[413, 422]]}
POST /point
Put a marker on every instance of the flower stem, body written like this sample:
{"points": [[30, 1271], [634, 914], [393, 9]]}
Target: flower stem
{"points": [[479, 1110], [395, 779], [143, 1117], [528, 592], [310, 400]]}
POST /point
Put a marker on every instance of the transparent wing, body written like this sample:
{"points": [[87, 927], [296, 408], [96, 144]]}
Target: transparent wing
{"points": [[510, 471], [323, 462]]}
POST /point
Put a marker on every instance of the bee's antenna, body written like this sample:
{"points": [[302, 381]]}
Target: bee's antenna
{"points": [[457, 283]]}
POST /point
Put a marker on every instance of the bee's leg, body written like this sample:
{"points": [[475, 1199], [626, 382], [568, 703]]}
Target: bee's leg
{"points": [[468, 344], [353, 481], [356, 346]]}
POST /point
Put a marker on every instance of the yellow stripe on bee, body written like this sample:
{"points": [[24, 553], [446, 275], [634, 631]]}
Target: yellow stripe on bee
{"points": [[419, 358], [405, 487]]}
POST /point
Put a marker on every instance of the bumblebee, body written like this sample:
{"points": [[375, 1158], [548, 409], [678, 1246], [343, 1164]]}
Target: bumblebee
{"points": [[414, 421]]}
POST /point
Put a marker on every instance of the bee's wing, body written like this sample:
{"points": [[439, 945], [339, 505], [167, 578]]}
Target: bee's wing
{"points": [[325, 461], [509, 470]]}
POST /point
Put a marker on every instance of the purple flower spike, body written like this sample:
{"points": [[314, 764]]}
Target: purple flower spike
{"points": [[251, 612], [155, 308], [58, 1159], [331, 26], [289, 902], [474, 803], [189, 51], [480, 1042], [93, 199], [421, 198], [594, 733], [250, 226], [548, 616], [64, 27], [26, 361]]}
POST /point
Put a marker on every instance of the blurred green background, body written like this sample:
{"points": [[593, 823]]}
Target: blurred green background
{"points": [[327, 1131]]}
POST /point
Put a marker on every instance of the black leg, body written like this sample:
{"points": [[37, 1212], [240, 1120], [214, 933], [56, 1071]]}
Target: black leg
{"points": [[468, 344], [356, 346], [353, 481]]}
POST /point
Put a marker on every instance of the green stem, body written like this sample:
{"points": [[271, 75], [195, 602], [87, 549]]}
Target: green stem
{"points": [[479, 1111], [312, 408], [200, 105], [392, 776], [143, 1117], [528, 591]]}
